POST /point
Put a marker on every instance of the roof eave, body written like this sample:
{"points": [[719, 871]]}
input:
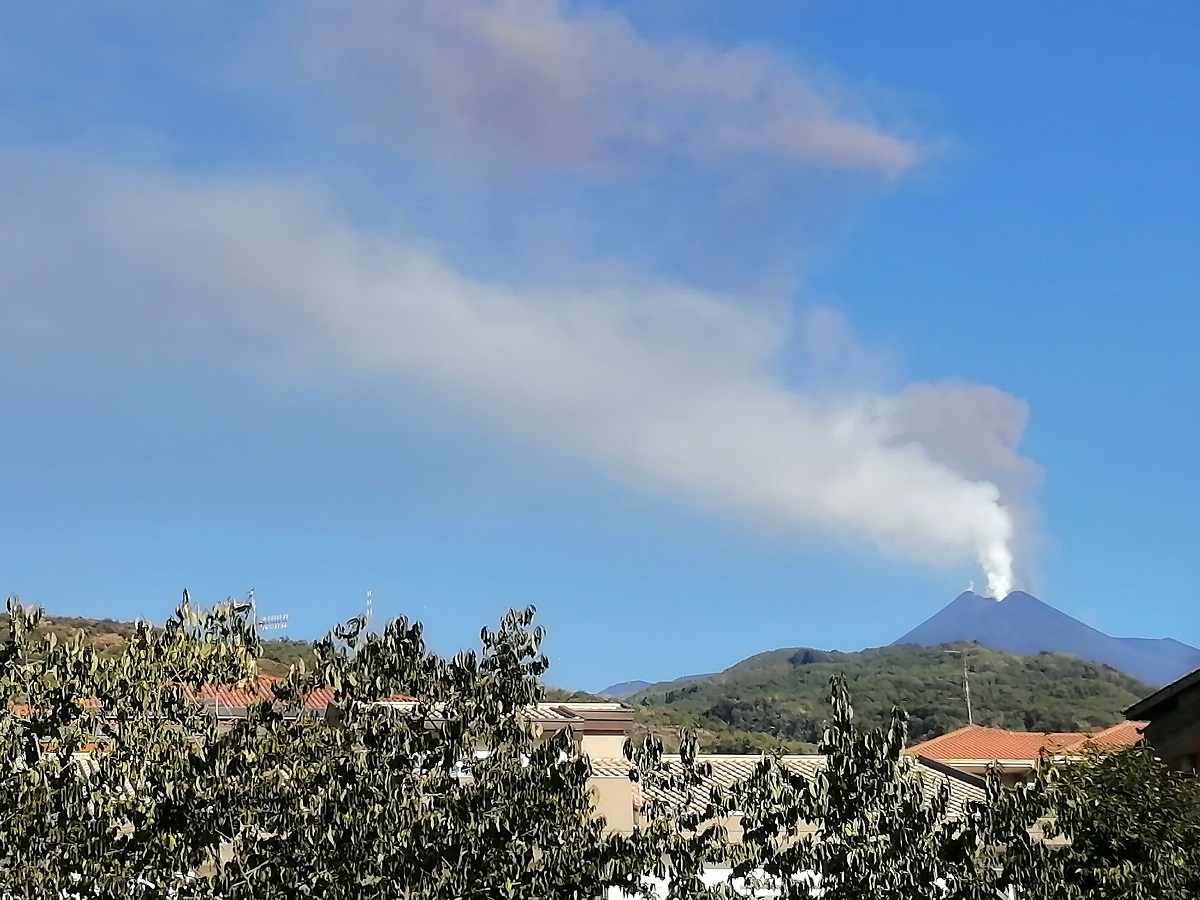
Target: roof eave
{"points": [[1144, 707]]}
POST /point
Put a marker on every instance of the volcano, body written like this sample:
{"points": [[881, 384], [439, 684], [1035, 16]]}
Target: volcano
{"points": [[1022, 623]]}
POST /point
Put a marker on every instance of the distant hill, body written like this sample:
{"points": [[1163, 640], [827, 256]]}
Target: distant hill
{"points": [[782, 693], [623, 689], [1022, 623], [776, 700]]}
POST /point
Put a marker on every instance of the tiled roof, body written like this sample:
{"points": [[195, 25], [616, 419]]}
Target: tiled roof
{"points": [[24, 709], [554, 712], [979, 743], [728, 770], [248, 693], [1123, 734], [587, 718], [242, 696], [611, 768]]}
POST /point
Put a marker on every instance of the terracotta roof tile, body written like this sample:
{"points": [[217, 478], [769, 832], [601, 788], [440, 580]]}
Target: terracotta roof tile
{"points": [[24, 709], [977, 742], [1123, 734], [248, 693], [241, 696]]}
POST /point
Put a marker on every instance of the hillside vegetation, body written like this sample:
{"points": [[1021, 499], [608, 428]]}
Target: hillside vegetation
{"points": [[781, 694]]}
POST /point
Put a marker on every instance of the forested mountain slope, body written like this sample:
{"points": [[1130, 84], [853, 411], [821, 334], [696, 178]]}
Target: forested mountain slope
{"points": [[782, 693]]}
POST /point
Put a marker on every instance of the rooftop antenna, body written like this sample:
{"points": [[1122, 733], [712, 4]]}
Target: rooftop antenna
{"points": [[966, 684], [266, 623]]}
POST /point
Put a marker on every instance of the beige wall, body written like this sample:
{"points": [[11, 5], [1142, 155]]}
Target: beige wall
{"points": [[603, 746], [613, 797]]}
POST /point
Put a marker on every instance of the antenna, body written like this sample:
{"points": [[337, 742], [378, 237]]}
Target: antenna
{"points": [[272, 623], [966, 684], [367, 624], [265, 623]]}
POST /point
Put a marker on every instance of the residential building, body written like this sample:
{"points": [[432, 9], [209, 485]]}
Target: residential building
{"points": [[621, 802], [1173, 728], [973, 749]]}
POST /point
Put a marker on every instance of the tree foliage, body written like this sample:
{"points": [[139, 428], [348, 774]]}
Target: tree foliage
{"points": [[1133, 828], [117, 783], [869, 824], [382, 804]]}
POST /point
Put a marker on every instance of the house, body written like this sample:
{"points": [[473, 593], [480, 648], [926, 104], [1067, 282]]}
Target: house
{"points": [[1173, 728], [973, 749], [622, 808], [230, 702], [599, 729]]}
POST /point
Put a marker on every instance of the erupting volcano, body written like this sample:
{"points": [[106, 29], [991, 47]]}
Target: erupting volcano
{"points": [[1021, 623]]}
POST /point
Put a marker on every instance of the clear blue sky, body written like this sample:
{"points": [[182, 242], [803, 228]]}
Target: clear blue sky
{"points": [[706, 328]]}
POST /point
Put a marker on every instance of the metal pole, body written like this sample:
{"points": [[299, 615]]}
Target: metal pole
{"points": [[966, 684], [967, 690]]}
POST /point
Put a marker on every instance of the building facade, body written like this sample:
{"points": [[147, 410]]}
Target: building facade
{"points": [[1173, 722]]}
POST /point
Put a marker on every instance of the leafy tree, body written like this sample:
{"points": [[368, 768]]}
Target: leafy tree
{"points": [[379, 803], [1132, 826], [117, 783], [98, 750], [870, 825]]}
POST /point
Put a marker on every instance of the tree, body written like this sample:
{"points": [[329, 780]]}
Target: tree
{"points": [[1132, 827], [869, 825], [117, 783]]}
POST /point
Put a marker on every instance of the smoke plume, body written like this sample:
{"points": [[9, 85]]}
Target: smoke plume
{"points": [[532, 85], [665, 388]]}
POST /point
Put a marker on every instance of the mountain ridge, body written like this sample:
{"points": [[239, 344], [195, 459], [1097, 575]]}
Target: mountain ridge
{"points": [[625, 689], [1023, 624]]}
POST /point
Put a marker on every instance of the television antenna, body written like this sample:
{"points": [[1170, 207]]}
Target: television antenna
{"points": [[966, 683], [266, 623]]}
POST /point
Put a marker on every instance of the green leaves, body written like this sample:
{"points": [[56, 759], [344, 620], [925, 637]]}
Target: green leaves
{"points": [[116, 782], [1131, 828], [377, 804]]}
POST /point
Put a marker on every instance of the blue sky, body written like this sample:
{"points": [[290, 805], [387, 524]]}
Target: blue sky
{"points": [[706, 328]]}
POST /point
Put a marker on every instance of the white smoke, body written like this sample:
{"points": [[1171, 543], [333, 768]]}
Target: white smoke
{"points": [[997, 563], [976, 430], [667, 389]]}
